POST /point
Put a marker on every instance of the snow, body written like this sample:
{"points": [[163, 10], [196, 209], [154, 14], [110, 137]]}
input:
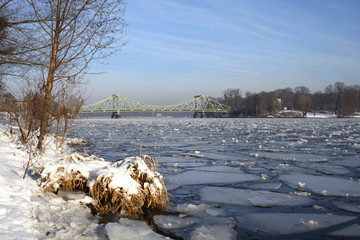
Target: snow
{"points": [[64, 218], [320, 115], [15, 193]]}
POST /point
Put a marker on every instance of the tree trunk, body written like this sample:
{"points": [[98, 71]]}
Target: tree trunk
{"points": [[50, 79]]}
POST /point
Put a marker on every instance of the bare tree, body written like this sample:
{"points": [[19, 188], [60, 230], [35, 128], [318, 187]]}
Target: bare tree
{"points": [[232, 97], [305, 103], [65, 111], [26, 112], [19, 46], [74, 32]]}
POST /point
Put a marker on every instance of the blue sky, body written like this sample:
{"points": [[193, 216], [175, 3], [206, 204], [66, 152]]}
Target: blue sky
{"points": [[181, 48]]}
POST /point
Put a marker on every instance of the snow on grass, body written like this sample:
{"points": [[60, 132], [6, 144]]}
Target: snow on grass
{"points": [[127, 185]]}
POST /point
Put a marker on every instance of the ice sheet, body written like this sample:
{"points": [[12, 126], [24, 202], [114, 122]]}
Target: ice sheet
{"points": [[202, 177], [350, 231], [128, 229], [267, 185], [174, 222], [288, 223], [247, 197], [324, 185], [214, 232], [348, 206]]}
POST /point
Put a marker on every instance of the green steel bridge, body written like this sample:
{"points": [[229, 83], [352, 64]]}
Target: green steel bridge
{"points": [[118, 103]]}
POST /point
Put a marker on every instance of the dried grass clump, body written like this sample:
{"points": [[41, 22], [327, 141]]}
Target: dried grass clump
{"points": [[156, 196], [72, 181], [75, 158], [127, 186], [109, 200]]}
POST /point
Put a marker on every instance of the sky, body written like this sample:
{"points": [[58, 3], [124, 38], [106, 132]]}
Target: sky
{"points": [[177, 49]]}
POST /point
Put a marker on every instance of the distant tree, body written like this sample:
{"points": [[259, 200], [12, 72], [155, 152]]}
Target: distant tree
{"points": [[350, 100], [318, 100], [330, 99], [287, 97], [305, 103], [357, 97], [252, 104], [232, 97], [298, 92], [267, 102]]}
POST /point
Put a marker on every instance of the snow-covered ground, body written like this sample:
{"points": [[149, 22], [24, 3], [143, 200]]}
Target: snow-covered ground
{"points": [[328, 115]]}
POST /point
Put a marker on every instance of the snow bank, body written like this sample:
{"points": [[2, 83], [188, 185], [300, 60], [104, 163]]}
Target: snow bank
{"points": [[124, 186], [15, 193]]}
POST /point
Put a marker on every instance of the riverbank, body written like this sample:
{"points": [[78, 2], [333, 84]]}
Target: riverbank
{"points": [[28, 213]]}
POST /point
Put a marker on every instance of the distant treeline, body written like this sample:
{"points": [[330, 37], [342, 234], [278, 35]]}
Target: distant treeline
{"points": [[338, 99]]}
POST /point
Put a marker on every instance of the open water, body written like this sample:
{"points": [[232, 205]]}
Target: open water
{"points": [[265, 178]]}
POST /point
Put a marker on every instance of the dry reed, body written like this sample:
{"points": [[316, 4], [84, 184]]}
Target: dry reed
{"points": [[151, 191]]}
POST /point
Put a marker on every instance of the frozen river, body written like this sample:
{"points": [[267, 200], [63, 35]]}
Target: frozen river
{"points": [[250, 178]]}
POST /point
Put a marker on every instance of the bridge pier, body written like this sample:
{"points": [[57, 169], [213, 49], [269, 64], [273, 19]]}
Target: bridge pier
{"points": [[199, 115], [115, 115]]}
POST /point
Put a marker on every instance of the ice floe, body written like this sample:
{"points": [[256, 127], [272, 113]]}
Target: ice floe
{"points": [[203, 221], [246, 197], [213, 232], [350, 231], [203, 177], [267, 185], [127, 229], [289, 223], [348, 206], [324, 185]]}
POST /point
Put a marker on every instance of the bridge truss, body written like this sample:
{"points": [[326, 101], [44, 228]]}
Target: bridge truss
{"points": [[118, 103]]}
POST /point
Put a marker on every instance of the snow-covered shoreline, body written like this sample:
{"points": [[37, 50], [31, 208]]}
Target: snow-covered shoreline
{"points": [[26, 212]]}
